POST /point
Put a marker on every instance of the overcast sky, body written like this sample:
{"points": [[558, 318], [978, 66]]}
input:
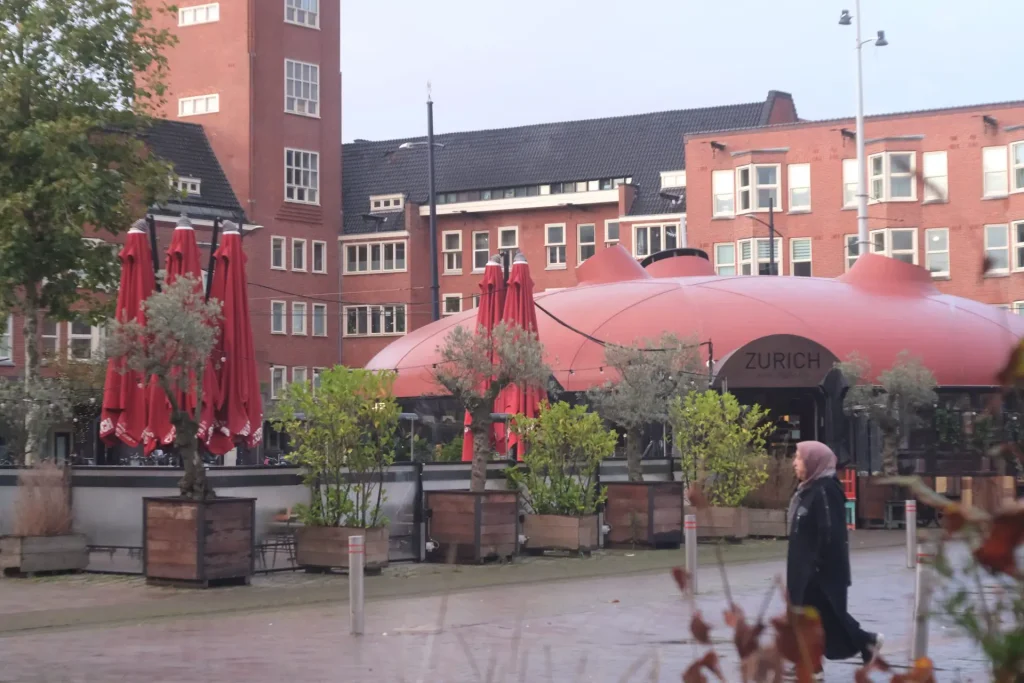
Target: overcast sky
{"points": [[501, 63]]}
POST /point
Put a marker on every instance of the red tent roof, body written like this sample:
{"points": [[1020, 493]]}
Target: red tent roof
{"points": [[878, 309]]}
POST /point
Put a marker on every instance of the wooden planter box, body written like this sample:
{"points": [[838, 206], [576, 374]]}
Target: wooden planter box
{"points": [[198, 543], [325, 547], [645, 513], [472, 527], [731, 523], [767, 523], [560, 532], [35, 554]]}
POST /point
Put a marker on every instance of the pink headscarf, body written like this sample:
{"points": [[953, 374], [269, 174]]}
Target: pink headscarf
{"points": [[819, 460]]}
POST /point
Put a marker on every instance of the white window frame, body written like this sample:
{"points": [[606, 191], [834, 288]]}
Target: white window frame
{"points": [[275, 241], [7, 341], [475, 250], [673, 179], [294, 7], [46, 338], [793, 241], [608, 241], [1007, 246], [380, 203], [296, 171], [848, 258], [319, 311], [935, 175], [887, 248], [351, 268], [198, 105], [928, 252], [322, 247], [194, 15], [850, 182], [720, 265], [298, 241], [646, 227], [556, 248], [1017, 307], [380, 310], [797, 184], [315, 378], [511, 248], [755, 260], [1016, 169], [300, 314], [1016, 243], [452, 257], [580, 243], [277, 388], [300, 374], [887, 175], [476, 301], [305, 97], [457, 298], [754, 189], [723, 193], [283, 329], [94, 336], [1000, 155], [189, 186]]}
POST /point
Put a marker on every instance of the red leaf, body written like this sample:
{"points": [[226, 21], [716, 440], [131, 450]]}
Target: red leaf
{"points": [[682, 579], [700, 629], [800, 639], [996, 553], [922, 672], [695, 672], [696, 497]]}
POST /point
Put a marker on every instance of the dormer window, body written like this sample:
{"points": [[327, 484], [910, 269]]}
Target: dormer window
{"points": [[188, 186], [390, 202], [673, 179]]}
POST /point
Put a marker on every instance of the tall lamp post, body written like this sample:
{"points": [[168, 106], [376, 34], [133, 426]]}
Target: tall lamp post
{"points": [[845, 19], [772, 270]]}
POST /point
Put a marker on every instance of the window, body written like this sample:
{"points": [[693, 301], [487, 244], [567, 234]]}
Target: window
{"points": [[800, 187], [319, 320], [554, 241], [278, 381], [725, 258], [936, 251], [936, 178], [673, 179], [586, 241], [317, 372], [758, 187], [849, 182], [301, 88], [199, 14], [650, 239], [611, 232], [993, 161], [302, 12], [997, 249], [391, 202], [367, 321], [452, 304], [476, 301], [188, 186], [299, 318], [277, 253], [852, 250], [198, 105], [83, 340], [277, 314], [7, 339], [452, 243], [892, 176], [319, 257], [1017, 166], [300, 375], [897, 243], [508, 242], [756, 256], [1017, 235], [298, 254], [481, 250], [50, 334], [800, 256], [376, 257], [301, 176], [722, 183]]}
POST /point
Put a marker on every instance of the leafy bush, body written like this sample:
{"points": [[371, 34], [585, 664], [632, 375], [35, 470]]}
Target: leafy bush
{"points": [[449, 452], [43, 506], [564, 449]]}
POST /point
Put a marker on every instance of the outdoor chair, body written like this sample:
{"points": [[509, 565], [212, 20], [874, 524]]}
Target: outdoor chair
{"points": [[280, 537]]}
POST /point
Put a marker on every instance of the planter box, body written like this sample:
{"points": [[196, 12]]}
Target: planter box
{"points": [[731, 523], [767, 523], [198, 543], [33, 554], [645, 513], [324, 547], [560, 532], [471, 527]]}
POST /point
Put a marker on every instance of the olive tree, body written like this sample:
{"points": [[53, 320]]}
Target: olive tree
{"points": [[474, 367]]}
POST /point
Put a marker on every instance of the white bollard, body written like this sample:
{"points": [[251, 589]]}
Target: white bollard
{"points": [[690, 540], [922, 601], [356, 565], [910, 521]]}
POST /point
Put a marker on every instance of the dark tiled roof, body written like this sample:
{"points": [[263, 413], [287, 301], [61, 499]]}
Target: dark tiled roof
{"points": [[640, 146], [186, 146]]}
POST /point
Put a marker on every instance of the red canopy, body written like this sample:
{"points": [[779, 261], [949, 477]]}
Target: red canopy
{"points": [[183, 258], [492, 303], [239, 410], [123, 416], [521, 312]]}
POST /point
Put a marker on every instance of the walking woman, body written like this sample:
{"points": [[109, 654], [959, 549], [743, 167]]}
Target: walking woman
{"points": [[818, 564]]}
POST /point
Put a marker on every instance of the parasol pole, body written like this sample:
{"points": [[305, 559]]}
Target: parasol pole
{"points": [[151, 222], [213, 253]]}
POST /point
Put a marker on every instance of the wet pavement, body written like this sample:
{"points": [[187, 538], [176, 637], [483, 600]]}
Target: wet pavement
{"points": [[613, 628]]}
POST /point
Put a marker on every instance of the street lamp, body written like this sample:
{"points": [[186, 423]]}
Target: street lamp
{"points": [[771, 235], [845, 19]]}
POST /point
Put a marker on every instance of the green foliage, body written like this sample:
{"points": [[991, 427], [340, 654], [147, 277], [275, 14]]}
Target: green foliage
{"points": [[29, 411], [722, 445], [564, 449], [421, 451], [344, 434], [449, 452]]}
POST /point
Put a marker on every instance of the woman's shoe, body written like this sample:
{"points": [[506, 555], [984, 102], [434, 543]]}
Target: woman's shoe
{"points": [[873, 647]]}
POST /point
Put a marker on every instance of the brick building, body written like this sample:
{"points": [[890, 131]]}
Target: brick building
{"points": [[946, 190], [558, 192]]}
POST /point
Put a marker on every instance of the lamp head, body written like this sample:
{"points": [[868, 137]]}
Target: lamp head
{"points": [[844, 18], [880, 41]]}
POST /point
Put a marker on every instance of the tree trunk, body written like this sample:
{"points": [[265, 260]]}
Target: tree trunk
{"points": [[634, 453], [194, 483], [890, 448], [481, 430], [33, 447]]}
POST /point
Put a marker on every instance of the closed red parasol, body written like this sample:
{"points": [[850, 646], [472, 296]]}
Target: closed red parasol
{"points": [[183, 258], [492, 303], [123, 416], [238, 415], [520, 311]]}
